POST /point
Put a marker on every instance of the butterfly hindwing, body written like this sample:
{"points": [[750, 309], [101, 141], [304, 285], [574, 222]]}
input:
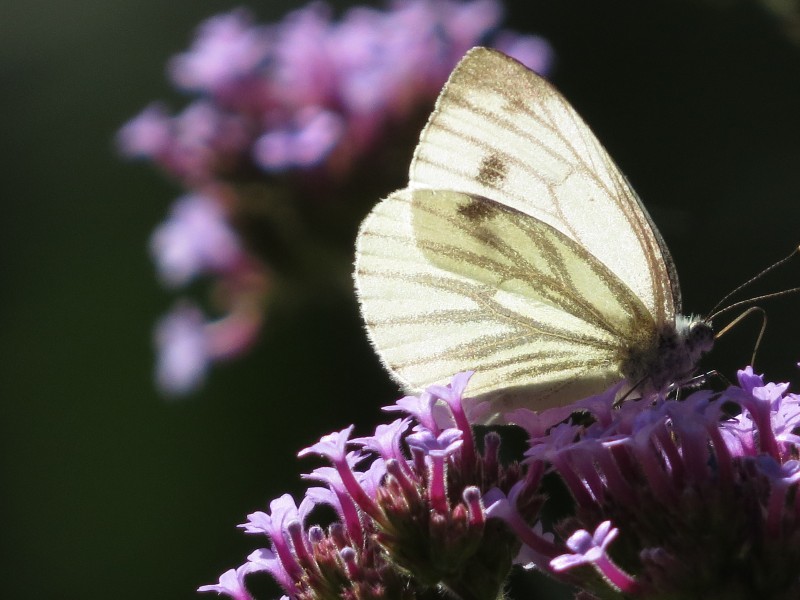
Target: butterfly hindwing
{"points": [[449, 281]]}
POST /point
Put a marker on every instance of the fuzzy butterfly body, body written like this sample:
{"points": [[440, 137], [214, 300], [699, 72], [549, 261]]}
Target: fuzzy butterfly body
{"points": [[518, 250]]}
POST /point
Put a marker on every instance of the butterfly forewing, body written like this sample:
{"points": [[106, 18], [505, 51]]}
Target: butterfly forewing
{"points": [[502, 132]]}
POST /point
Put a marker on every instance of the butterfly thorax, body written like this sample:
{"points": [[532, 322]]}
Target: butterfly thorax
{"points": [[673, 355]]}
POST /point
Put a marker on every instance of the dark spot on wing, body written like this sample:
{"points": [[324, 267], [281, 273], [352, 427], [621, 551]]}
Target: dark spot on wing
{"points": [[477, 210], [492, 170]]}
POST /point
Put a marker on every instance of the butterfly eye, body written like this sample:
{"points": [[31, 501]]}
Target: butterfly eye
{"points": [[700, 338], [701, 331]]}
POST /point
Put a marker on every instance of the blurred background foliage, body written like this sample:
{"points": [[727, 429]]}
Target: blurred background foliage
{"points": [[108, 490]]}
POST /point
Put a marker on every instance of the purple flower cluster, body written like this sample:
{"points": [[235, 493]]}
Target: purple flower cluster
{"points": [[284, 96], [410, 519], [289, 111], [696, 498]]}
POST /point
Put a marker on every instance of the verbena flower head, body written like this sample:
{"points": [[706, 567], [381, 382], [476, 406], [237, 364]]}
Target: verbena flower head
{"points": [[695, 498], [288, 121]]}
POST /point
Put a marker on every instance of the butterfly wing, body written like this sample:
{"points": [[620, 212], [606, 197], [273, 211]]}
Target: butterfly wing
{"points": [[518, 249], [502, 132], [450, 281]]}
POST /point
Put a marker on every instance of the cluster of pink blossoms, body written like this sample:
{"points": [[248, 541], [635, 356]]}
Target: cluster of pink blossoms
{"points": [[287, 119], [696, 498]]}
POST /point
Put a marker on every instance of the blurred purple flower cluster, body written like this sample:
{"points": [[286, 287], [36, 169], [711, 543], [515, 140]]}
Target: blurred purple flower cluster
{"points": [[294, 111], [669, 499]]}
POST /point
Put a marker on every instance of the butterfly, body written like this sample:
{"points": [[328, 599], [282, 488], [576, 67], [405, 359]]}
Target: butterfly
{"points": [[519, 250]]}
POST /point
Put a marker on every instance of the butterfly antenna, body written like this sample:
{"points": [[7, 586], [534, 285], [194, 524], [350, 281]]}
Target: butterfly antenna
{"points": [[752, 280], [750, 301], [748, 312]]}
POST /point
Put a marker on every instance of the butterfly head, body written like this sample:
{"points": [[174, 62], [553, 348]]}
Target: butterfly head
{"points": [[672, 357], [697, 333]]}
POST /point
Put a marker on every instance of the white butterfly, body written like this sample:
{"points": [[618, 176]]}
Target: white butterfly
{"points": [[519, 250]]}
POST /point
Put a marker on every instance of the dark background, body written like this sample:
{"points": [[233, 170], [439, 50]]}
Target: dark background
{"points": [[106, 489]]}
